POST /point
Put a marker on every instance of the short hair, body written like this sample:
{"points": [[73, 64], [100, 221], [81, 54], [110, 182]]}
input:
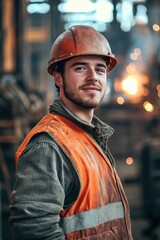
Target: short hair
{"points": [[60, 68]]}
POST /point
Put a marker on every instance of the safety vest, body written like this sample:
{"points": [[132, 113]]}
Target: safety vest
{"points": [[101, 210]]}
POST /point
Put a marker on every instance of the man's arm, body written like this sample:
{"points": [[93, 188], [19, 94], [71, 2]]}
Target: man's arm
{"points": [[42, 180]]}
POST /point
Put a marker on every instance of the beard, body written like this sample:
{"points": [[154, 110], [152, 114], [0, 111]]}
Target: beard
{"points": [[89, 103]]}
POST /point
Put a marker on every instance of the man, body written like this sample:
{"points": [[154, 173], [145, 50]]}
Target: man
{"points": [[66, 183]]}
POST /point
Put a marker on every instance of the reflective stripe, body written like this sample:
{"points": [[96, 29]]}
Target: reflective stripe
{"points": [[93, 217]]}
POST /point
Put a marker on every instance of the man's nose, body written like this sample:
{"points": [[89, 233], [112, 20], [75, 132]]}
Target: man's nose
{"points": [[91, 75]]}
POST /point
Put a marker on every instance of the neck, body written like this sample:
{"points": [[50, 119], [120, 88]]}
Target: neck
{"points": [[84, 113]]}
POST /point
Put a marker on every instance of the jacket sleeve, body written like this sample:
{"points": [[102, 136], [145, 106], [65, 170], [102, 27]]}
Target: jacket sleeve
{"points": [[44, 178]]}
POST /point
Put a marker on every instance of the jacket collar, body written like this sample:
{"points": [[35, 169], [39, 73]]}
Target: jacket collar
{"points": [[96, 126]]}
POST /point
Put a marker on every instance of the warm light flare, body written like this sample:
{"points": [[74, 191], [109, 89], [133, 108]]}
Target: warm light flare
{"points": [[129, 161], [120, 100], [148, 106], [130, 85], [133, 85], [156, 27]]}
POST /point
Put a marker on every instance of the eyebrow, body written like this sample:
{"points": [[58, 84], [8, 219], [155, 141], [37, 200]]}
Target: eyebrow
{"points": [[85, 63]]}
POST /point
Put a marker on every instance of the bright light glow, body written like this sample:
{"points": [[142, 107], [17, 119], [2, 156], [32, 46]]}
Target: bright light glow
{"points": [[129, 161], [38, 8], [71, 6], [148, 106], [120, 100], [133, 85], [141, 15], [101, 11], [125, 15], [78, 17], [156, 27], [119, 12], [104, 11], [130, 85]]}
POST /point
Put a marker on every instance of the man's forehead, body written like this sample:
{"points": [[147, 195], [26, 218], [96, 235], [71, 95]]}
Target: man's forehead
{"points": [[87, 59]]}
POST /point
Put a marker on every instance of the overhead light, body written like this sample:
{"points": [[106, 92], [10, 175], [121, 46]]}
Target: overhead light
{"points": [[38, 8], [141, 15], [125, 15], [76, 6], [138, 1], [78, 17], [104, 11]]}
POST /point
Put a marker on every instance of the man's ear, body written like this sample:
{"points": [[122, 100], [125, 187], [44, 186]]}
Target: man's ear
{"points": [[58, 79]]}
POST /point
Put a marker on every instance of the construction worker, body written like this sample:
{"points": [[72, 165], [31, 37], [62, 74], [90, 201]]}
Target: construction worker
{"points": [[66, 184]]}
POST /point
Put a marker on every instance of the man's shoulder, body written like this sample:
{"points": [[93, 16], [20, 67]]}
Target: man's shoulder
{"points": [[41, 137]]}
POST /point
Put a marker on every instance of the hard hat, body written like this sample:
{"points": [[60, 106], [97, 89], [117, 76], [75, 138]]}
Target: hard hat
{"points": [[77, 41]]}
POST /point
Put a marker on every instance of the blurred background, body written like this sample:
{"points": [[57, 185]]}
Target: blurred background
{"points": [[131, 105]]}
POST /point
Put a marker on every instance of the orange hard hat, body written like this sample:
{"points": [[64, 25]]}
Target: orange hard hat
{"points": [[80, 40]]}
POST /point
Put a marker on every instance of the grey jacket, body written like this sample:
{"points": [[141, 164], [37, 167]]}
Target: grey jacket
{"points": [[46, 180]]}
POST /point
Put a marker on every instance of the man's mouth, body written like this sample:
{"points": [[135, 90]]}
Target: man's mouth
{"points": [[91, 87]]}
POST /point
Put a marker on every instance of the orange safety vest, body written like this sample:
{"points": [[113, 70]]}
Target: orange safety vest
{"points": [[101, 210]]}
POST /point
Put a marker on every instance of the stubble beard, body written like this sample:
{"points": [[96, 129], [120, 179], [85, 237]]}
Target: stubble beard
{"points": [[82, 103]]}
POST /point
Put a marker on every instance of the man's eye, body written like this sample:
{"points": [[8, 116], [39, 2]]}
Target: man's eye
{"points": [[80, 68], [101, 70]]}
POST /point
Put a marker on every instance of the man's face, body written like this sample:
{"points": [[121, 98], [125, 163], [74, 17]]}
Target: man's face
{"points": [[84, 82]]}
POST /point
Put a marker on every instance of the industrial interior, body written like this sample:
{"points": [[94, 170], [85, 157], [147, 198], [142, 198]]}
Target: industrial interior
{"points": [[131, 104]]}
